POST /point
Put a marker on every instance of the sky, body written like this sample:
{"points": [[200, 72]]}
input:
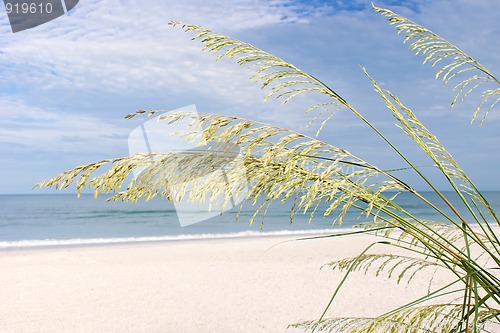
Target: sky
{"points": [[65, 86]]}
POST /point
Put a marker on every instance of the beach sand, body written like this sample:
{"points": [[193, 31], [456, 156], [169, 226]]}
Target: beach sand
{"points": [[255, 284]]}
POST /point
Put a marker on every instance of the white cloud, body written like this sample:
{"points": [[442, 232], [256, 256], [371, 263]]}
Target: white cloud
{"points": [[128, 45], [124, 51], [25, 128]]}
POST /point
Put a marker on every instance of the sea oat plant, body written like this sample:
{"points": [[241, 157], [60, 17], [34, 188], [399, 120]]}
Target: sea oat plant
{"points": [[281, 165]]}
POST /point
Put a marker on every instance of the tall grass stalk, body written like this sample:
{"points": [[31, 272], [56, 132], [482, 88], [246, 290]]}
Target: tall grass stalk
{"points": [[282, 165]]}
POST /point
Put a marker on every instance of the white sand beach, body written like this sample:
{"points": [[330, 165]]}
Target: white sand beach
{"points": [[228, 285]]}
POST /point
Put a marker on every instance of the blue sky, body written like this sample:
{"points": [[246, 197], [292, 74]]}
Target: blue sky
{"points": [[66, 86]]}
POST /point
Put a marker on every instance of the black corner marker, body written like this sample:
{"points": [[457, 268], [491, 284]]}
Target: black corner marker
{"points": [[70, 4], [27, 14]]}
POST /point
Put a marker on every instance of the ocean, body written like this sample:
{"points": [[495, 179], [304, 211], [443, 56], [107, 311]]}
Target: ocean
{"points": [[29, 221]]}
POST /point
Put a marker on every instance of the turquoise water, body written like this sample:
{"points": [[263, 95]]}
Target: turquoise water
{"points": [[63, 219]]}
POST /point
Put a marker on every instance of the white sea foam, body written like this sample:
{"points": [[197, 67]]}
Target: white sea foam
{"points": [[103, 241]]}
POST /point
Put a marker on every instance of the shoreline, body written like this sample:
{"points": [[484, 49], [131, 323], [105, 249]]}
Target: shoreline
{"points": [[41, 244], [28, 245]]}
